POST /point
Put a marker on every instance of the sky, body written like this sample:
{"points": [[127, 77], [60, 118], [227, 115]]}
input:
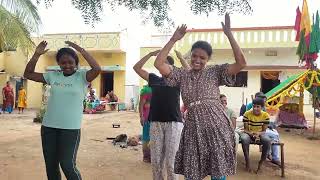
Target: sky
{"points": [[62, 17]]}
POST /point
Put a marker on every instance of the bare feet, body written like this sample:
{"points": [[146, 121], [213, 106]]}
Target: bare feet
{"points": [[248, 168], [259, 166]]}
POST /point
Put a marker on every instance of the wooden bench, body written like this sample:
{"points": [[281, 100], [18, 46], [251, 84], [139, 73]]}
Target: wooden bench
{"points": [[281, 153], [114, 103]]}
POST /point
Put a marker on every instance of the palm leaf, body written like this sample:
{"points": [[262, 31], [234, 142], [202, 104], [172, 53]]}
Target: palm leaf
{"points": [[13, 32], [25, 10]]}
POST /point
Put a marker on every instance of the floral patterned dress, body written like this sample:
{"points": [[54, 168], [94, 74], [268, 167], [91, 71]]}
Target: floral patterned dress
{"points": [[207, 145]]}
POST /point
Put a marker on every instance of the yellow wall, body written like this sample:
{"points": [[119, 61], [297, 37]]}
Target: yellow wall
{"points": [[15, 63], [119, 84], [3, 76], [2, 64], [34, 94]]}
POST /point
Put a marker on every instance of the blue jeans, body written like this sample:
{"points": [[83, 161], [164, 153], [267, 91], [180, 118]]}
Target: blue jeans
{"points": [[246, 140], [274, 136]]}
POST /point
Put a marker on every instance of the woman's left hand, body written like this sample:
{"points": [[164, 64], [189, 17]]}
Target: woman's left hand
{"points": [[226, 25], [179, 33], [74, 45]]}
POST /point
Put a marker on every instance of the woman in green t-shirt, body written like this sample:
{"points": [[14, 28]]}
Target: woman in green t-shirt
{"points": [[60, 130]]}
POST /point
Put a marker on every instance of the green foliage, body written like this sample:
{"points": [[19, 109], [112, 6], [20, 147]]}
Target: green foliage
{"points": [[40, 115], [18, 18], [221, 6], [156, 10], [13, 32]]}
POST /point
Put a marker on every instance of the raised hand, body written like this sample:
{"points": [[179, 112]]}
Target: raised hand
{"points": [[154, 53], [226, 25], [74, 45], [179, 55], [41, 48], [179, 33]]}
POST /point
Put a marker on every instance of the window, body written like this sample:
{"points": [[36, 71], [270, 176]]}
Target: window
{"points": [[241, 79]]}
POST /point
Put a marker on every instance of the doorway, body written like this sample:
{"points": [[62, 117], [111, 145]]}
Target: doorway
{"points": [[269, 80], [106, 82]]}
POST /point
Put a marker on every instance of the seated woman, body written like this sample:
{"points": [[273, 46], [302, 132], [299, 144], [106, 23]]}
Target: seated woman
{"points": [[91, 96], [92, 103], [111, 97]]}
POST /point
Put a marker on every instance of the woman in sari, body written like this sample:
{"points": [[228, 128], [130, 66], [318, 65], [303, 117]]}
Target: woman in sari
{"points": [[22, 99], [8, 98], [144, 109]]}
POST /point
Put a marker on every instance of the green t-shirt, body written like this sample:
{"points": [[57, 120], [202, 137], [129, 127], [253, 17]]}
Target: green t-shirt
{"points": [[65, 104]]}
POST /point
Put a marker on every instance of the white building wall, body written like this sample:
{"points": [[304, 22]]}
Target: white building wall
{"points": [[237, 95]]}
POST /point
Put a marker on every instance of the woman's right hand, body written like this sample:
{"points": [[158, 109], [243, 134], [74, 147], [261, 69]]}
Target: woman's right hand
{"points": [[41, 48], [141, 121], [179, 33], [179, 55], [226, 25]]}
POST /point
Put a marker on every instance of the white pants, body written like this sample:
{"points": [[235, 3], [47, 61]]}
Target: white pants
{"points": [[164, 143]]}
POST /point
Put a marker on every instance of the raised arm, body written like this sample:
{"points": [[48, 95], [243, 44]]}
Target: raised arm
{"points": [[95, 67], [138, 66], [160, 62], [29, 71], [237, 52], [182, 60]]}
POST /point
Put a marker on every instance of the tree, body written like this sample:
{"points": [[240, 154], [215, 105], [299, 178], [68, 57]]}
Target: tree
{"points": [[156, 10], [18, 19]]}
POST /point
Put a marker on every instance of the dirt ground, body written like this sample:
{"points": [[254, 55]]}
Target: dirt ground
{"points": [[21, 153]]}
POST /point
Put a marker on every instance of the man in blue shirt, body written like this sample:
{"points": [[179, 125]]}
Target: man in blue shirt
{"points": [[258, 95]]}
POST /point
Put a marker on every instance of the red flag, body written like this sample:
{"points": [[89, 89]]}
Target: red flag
{"points": [[297, 23]]}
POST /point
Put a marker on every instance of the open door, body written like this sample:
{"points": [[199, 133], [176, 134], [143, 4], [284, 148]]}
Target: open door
{"points": [[269, 80], [107, 80]]}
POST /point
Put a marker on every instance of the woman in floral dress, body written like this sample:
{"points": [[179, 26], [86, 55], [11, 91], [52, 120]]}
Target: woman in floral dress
{"points": [[207, 145]]}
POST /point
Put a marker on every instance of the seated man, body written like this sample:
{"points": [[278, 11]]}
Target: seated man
{"points": [[260, 95], [255, 122], [112, 97], [231, 115]]}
